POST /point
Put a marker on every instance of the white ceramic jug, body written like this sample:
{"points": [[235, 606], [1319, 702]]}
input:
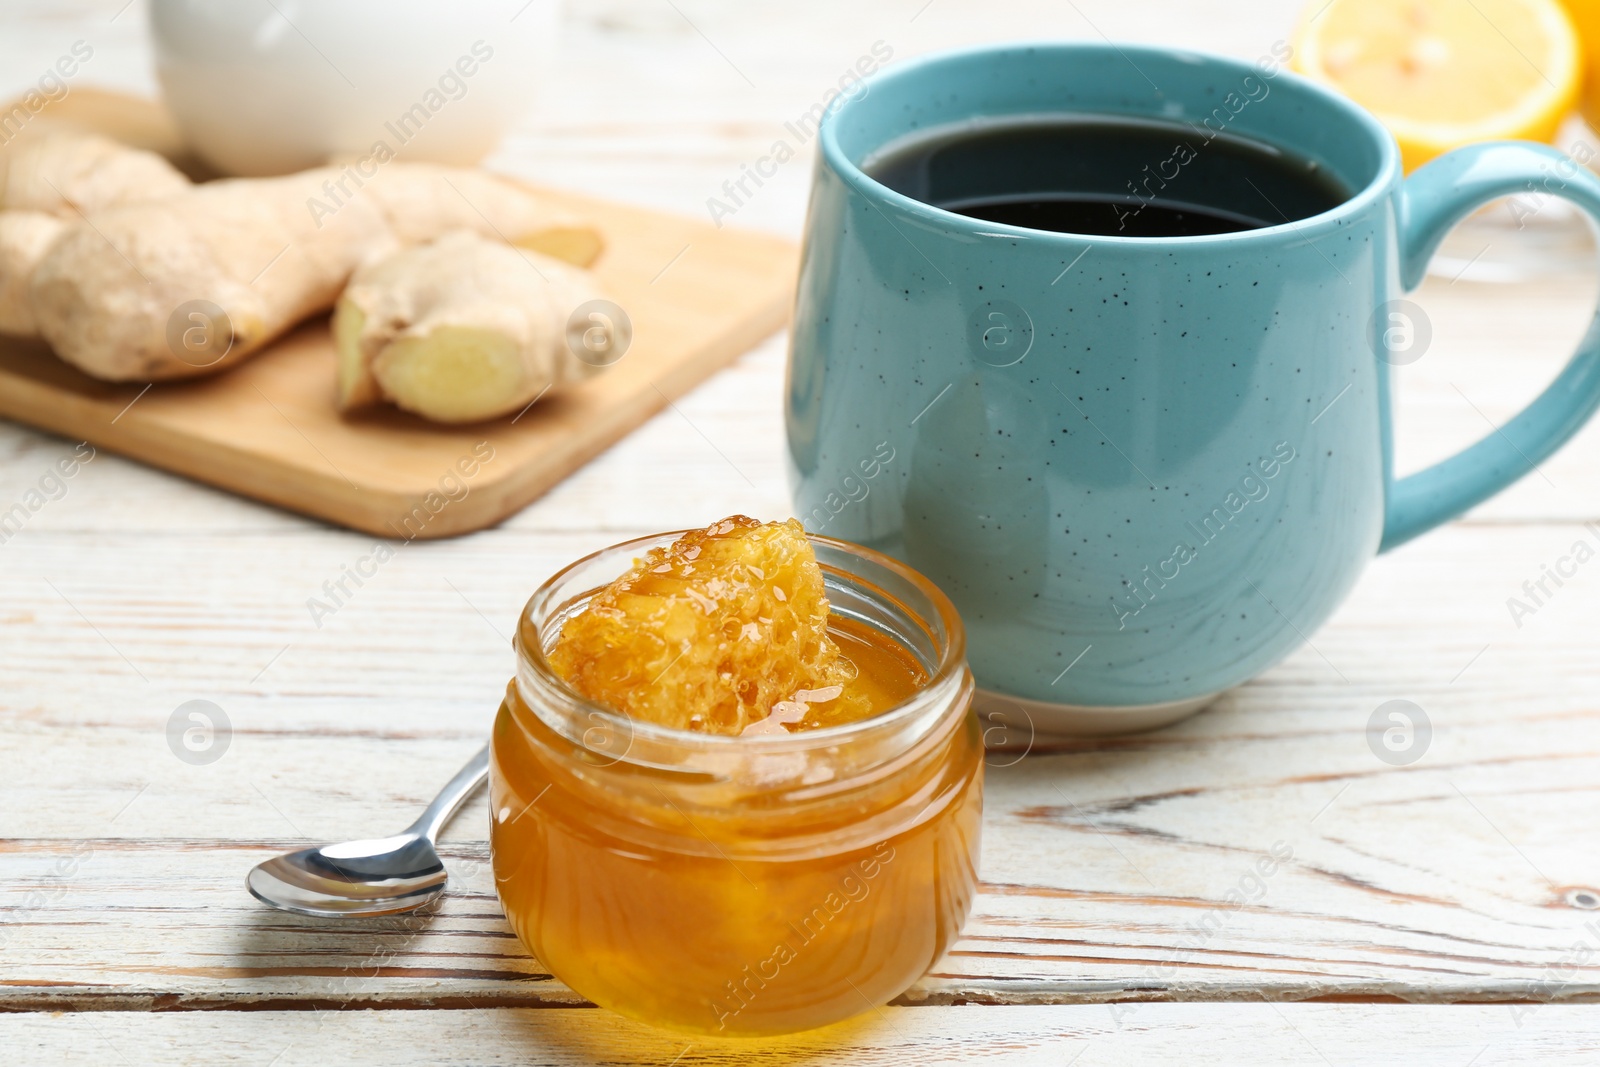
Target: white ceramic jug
{"points": [[273, 86]]}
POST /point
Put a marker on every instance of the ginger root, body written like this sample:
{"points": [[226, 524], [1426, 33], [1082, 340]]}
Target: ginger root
{"points": [[61, 170], [463, 329], [423, 201], [53, 173], [118, 292], [115, 298], [25, 236]]}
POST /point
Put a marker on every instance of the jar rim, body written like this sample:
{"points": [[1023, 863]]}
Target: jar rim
{"points": [[949, 672]]}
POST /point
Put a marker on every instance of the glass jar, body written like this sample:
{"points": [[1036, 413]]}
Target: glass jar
{"points": [[740, 885]]}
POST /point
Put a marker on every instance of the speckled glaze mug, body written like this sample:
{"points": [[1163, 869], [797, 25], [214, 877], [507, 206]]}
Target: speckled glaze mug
{"points": [[1143, 468]]}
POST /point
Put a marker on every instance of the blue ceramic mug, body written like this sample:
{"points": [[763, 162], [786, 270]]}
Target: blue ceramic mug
{"points": [[1144, 468]]}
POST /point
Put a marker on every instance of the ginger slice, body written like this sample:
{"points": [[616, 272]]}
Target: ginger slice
{"points": [[462, 329], [725, 632]]}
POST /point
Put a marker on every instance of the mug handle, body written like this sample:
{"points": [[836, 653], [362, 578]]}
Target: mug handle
{"points": [[1433, 200]]}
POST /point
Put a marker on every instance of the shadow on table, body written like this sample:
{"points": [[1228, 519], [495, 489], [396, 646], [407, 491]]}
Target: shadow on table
{"points": [[458, 954]]}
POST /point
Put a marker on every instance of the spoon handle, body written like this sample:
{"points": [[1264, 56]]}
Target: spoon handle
{"points": [[452, 796]]}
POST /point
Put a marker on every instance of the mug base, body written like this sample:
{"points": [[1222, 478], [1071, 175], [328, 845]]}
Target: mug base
{"points": [[1046, 719]]}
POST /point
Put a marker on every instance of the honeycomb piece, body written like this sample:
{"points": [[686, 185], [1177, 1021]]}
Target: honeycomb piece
{"points": [[724, 630]]}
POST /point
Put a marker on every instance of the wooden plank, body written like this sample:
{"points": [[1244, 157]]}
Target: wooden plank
{"points": [[697, 296], [1293, 1035], [1107, 865]]}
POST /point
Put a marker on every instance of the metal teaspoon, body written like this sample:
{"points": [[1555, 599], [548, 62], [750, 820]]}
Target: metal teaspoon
{"points": [[379, 877]]}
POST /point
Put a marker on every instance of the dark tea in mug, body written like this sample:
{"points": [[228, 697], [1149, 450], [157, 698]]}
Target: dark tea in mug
{"points": [[1108, 176]]}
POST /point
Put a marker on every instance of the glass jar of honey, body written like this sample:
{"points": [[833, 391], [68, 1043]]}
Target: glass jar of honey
{"points": [[744, 885]]}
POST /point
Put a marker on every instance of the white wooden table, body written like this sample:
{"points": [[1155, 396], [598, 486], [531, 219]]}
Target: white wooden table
{"points": [[1467, 880]]}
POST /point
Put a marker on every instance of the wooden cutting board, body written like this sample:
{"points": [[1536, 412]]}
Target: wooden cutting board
{"points": [[697, 296]]}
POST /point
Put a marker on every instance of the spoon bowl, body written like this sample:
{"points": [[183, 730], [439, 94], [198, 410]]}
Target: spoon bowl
{"points": [[356, 878], [381, 876]]}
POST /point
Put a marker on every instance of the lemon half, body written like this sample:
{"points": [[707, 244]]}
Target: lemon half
{"points": [[1444, 73]]}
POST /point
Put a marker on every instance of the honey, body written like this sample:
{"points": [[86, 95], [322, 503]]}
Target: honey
{"points": [[742, 884], [880, 675]]}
